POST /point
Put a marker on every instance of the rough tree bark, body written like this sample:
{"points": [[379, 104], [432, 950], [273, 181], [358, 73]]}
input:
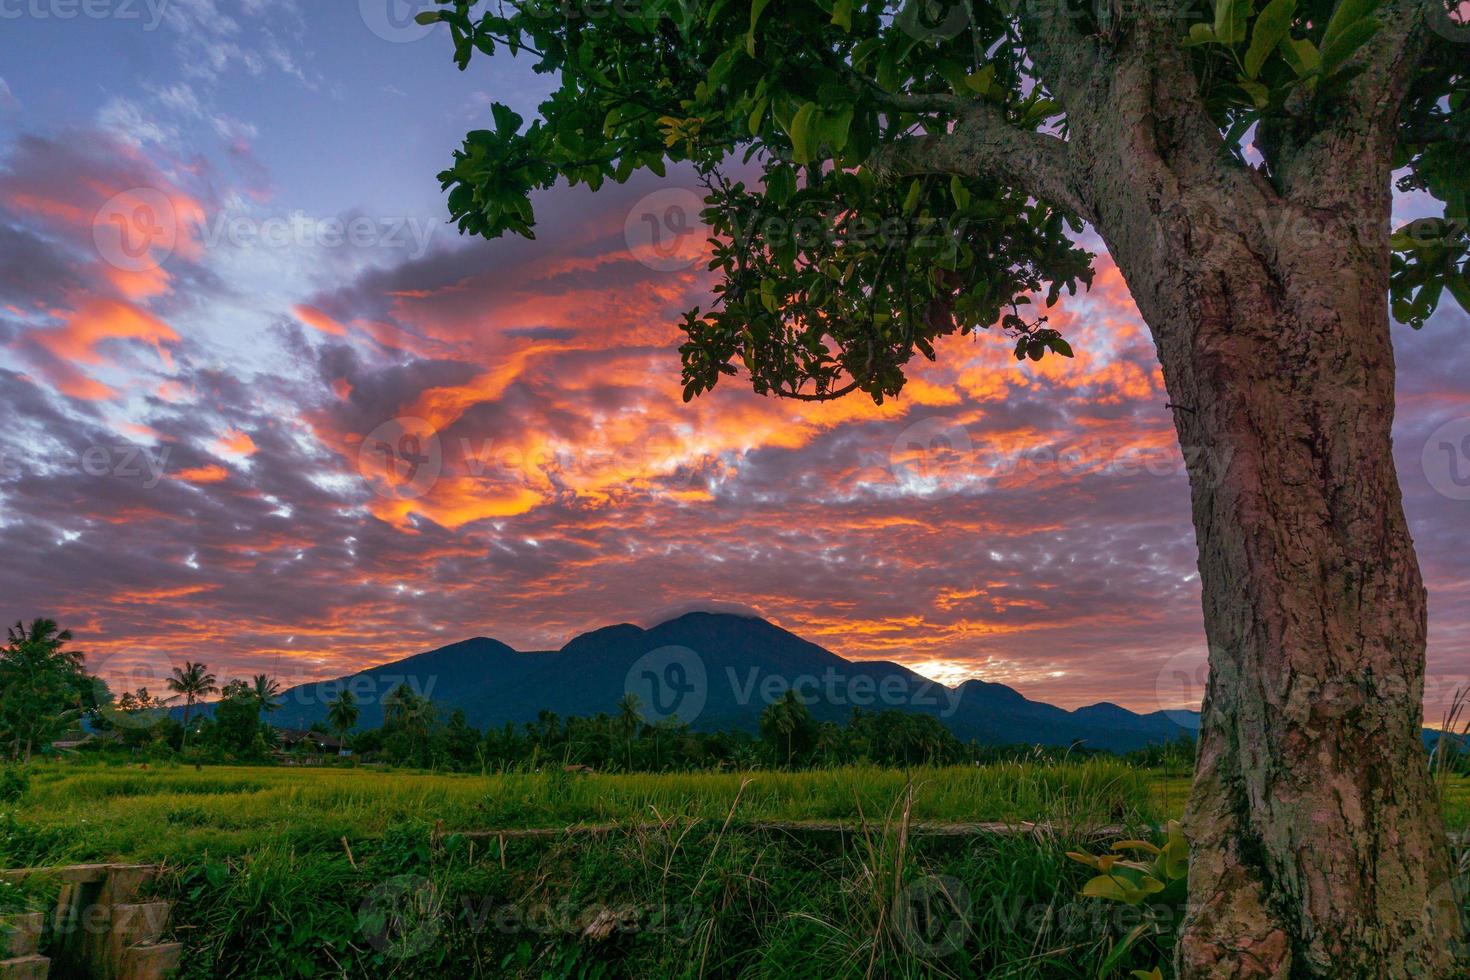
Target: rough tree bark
{"points": [[1318, 846], [1318, 849]]}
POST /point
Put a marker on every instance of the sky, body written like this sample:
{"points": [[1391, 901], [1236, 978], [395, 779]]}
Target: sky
{"points": [[265, 408]]}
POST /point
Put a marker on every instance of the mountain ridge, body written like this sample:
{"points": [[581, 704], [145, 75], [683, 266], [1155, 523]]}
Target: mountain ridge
{"points": [[715, 670]]}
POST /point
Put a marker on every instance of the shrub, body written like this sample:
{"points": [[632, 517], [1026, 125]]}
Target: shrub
{"points": [[14, 782]]}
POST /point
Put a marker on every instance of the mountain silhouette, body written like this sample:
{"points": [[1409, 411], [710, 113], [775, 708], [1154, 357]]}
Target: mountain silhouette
{"points": [[715, 671]]}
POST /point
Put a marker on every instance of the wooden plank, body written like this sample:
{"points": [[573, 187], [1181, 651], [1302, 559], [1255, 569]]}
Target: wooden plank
{"points": [[800, 827]]}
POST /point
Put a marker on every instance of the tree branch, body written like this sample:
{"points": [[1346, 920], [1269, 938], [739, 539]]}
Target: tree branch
{"points": [[1062, 55], [1388, 61], [984, 143]]}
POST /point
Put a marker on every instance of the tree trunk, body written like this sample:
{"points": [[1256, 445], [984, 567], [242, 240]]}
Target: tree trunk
{"points": [[1318, 849]]}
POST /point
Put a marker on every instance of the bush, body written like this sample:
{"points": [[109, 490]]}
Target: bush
{"points": [[14, 782]]}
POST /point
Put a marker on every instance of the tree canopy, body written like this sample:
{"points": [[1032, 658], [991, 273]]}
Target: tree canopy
{"points": [[879, 178]]}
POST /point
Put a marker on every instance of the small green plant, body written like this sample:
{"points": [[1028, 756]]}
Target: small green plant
{"points": [[1153, 882]]}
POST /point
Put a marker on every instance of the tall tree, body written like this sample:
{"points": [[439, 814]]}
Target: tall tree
{"points": [[193, 681], [44, 687], [266, 690], [904, 177], [342, 713], [408, 723], [630, 719]]}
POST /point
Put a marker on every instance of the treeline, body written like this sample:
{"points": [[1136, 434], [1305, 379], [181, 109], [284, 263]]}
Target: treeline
{"points": [[46, 695]]}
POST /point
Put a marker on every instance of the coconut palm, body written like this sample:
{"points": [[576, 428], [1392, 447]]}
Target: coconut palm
{"points": [[342, 713], [265, 691], [43, 686], [631, 718], [193, 681]]}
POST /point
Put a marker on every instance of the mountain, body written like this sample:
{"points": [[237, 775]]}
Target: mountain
{"points": [[715, 671]]}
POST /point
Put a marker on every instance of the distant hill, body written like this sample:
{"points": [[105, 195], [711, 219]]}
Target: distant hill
{"points": [[715, 671]]}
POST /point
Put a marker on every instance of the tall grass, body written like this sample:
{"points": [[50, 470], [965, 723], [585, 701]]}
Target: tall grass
{"points": [[183, 814], [340, 872]]}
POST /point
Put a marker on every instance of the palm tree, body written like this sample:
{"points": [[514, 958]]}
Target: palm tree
{"points": [[342, 713], [631, 718], [43, 686], [265, 689], [193, 681]]}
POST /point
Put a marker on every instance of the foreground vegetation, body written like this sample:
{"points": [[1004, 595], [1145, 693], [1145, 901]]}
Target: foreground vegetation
{"points": [[320, 871]]}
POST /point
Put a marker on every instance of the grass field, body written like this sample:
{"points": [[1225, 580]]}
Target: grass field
{"points": [[326, 872]]}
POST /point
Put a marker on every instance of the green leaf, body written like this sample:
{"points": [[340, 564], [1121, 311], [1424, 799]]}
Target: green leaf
{"points": [[768, 296], [1340, 47], [980, 82], [1302, 55], [1270, 27], [1230, 20], [1346, 14], [756, 115], [959, 192], [507, 121], [1259, 94], [756, 9], [1105, 886], [1200, 34], [911, 199], [800, 133], [1459, 288], [842, 14]]}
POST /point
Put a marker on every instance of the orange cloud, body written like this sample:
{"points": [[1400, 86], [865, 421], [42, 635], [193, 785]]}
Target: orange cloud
{"points": [[313, 317], [236, 442], [210, 473]]}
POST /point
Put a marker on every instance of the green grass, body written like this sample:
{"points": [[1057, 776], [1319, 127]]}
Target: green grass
{"points": [[333, 872], [181, 813]]}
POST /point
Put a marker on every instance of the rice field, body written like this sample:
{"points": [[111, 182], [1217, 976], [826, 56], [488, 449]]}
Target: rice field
{"points": [[180, 813], [282, 872]]}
